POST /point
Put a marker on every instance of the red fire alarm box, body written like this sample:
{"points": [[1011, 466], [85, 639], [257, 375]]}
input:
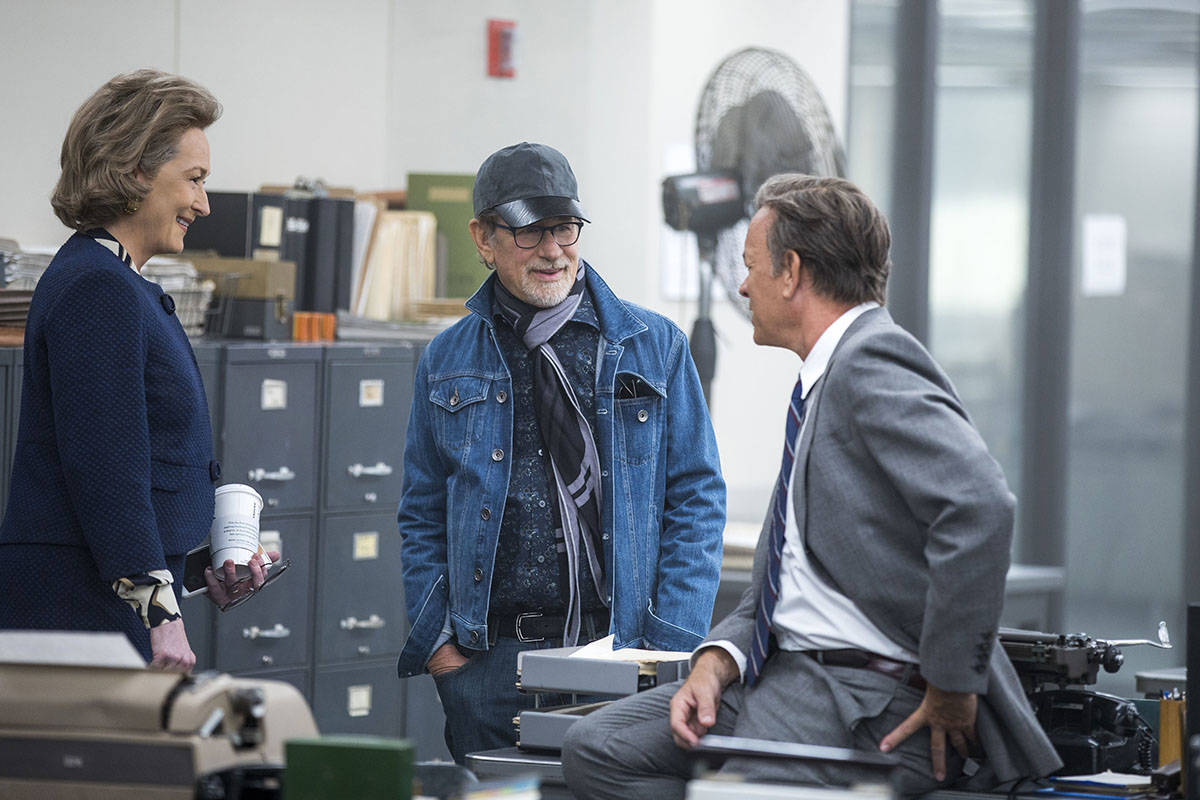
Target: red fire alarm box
{"points": [[501, 34]]}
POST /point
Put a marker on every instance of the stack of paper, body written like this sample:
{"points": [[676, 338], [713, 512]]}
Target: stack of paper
{"points": [[1102, 784], [401, 267]]}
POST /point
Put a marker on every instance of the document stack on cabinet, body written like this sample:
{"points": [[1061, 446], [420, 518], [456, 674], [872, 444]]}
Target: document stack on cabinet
{"points": [[593, 669]]}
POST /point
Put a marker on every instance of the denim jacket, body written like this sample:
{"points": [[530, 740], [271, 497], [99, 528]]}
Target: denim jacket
{"points": [[664, 497]]}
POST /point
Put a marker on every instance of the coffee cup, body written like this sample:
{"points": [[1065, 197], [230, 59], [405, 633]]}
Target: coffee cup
{"points": [[234, 532]]}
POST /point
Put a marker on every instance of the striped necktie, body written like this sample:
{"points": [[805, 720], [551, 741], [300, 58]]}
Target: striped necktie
{"points": [[770, 589]]}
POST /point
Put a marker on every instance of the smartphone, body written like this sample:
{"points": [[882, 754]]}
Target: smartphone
{"points": [[199, 559]]}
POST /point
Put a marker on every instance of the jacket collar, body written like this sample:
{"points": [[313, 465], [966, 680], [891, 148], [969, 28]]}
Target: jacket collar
{"points": [[617, 322]]}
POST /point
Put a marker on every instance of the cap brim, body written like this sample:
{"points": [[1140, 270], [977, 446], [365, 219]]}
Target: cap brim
{"points": [[520, 213]]}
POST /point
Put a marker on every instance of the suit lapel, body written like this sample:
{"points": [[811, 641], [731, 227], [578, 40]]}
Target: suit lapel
{"points": [[812, 406]]}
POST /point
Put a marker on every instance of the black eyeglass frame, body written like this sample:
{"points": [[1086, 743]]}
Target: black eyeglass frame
{"points": [[542, 231], [274, 571]]}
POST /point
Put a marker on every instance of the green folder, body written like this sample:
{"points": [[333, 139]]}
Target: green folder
{"points": [[359, 767]]}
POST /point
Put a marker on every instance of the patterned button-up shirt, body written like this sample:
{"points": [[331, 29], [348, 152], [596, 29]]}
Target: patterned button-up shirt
{"points": [[526, 575]]}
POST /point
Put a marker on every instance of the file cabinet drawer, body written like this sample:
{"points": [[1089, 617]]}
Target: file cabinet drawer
{"points": [[368, 396], [271, 416], [360, 594], [271, 630], [359, 700]]}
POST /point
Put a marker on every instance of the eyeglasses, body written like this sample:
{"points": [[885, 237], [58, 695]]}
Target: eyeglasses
{"points": [[565, 234], [273, 572]]}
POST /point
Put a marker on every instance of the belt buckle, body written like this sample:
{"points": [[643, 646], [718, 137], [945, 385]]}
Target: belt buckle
{"points": [[521, 637]]}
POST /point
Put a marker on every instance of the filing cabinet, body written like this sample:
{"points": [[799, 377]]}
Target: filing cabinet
{"points": [[318, 431], [271, 416], [361, 700]]}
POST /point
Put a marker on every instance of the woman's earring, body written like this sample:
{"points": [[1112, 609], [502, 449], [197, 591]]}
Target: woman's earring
{"points": [[131, 206]]}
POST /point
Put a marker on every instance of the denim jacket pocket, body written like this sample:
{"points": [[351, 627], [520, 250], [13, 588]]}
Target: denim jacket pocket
{"points": [[639, 423], [456, 418]]}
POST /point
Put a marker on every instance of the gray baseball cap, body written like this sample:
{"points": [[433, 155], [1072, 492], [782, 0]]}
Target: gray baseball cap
{"points": [[527, 182]]}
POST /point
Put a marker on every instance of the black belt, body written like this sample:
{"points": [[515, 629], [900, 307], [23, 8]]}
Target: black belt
{"points": [[902, 671], [534, 626]]}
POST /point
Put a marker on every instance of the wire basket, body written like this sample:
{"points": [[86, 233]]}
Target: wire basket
{"points": [[191, 306]]}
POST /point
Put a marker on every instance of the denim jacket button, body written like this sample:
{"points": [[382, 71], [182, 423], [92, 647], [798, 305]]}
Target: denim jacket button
{"points": [[474, 636], [501, 396], [478, 574], [643, 415], [486, 513], [497, 454]]}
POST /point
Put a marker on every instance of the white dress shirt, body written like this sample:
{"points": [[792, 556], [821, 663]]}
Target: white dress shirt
{"points": [[810, 614]]}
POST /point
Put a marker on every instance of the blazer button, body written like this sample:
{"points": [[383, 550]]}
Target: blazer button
{"points": [[486, 513], [168, 303], [214, 470], [474, 636], [643, 415], [497, 454], [501, 396], [478, 574]]}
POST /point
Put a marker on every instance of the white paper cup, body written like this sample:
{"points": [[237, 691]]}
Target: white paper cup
{"points": [[234, 532]]}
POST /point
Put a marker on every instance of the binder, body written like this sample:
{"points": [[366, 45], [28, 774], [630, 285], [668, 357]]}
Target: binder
{"points": [[282, 223], [330, 250], [227, 229]]}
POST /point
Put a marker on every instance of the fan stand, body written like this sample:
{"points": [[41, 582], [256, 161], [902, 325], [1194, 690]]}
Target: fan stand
{"points": [[703, 341]]}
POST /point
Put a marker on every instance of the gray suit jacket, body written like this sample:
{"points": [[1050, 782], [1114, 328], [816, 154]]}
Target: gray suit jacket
{"points": [[902, 509]]}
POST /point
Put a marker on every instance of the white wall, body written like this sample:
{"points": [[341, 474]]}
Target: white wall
{"points": [[360, 92]]}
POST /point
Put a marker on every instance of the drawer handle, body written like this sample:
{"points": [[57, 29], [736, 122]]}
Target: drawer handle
{"points": [[277, 632], [282, 474], [380, 468], [373, 622]]}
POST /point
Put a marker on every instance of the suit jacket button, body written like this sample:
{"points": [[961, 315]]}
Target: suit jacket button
{"points": [[214, 470], [168, 303]]}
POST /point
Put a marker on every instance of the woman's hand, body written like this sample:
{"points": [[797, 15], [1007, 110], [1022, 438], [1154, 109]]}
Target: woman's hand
{"points": [[225, 587], [169, 645]]}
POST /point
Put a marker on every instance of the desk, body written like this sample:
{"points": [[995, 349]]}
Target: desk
{"points": [[1153, 682]]}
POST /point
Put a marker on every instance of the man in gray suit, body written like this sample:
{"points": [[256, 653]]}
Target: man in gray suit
{"points": [[878, 581]]}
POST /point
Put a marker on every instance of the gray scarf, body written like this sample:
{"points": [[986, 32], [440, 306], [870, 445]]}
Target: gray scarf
{"points": [[569, 441]]}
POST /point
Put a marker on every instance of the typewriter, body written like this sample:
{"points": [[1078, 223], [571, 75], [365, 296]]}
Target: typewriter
{"points": [[1092, 731]]}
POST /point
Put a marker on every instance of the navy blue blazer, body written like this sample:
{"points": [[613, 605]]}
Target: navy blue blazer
{"points": [[113, 472]]}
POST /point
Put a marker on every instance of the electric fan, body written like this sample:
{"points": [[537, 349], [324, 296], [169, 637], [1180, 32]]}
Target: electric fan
{"points": [[760, 114]]}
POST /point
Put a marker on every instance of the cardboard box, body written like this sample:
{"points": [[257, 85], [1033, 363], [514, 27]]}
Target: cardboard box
{"points": [[256, 278]]}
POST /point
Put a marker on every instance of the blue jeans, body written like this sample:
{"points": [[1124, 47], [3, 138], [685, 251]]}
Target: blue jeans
{"points": [[480, 698]]}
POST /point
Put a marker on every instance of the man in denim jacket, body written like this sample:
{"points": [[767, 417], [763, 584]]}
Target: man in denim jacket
{"points": [[561, 479]]}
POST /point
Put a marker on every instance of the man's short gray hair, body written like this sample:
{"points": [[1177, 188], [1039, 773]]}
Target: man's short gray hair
{"points": [[841, 237]]}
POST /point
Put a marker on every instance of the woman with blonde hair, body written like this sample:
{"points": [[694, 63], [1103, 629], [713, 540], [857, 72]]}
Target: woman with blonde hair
{"points": [[112, 480]]}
